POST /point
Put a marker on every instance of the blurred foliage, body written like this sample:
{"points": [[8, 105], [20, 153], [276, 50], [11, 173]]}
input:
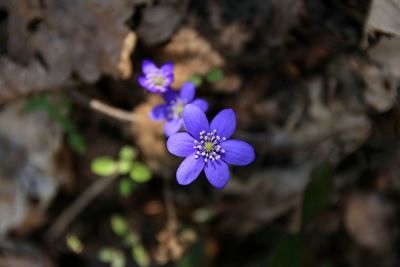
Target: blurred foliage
{"points": [[212, 76], [290, 249], [74, 243], [114, 257], [288, 252], [59, 110], [318, 192], [195, 257], [126, 164]]}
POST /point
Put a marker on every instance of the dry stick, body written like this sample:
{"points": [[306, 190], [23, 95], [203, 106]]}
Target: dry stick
{"points": [[104, 108], [69, 214]]}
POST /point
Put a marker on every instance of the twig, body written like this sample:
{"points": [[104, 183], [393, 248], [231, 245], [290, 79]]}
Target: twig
{"points": [[69, 214], [104, 108]]}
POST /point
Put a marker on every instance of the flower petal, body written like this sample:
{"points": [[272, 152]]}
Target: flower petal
{"points": [[217, 172], [201, 103], [187, 92], [195, 120], [148, 66], [167, 68], [172, 126], [169, 95], [144, 82], [237, 152], [159, 112], [181, 144], [224, 123], [189, 170]]}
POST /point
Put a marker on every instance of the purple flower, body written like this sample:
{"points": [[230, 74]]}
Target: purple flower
{"points": [[207, 146], [172, 110], [156, 80]]}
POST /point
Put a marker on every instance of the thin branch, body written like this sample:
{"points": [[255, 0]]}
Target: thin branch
{"points": [[69, 214], [104, 108]]}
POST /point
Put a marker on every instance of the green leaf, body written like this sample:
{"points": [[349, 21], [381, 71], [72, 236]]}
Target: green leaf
{"points": [[77, 143], [194, 257], [139, 254], [288, 252], [106, 254], [127, 153], [214, 75], [126, 187], [140, 173], [119, 225], [124, 166], [103, 166], [39, 102], [317, 193], [115, 257], [74, 244], [196, 80]]}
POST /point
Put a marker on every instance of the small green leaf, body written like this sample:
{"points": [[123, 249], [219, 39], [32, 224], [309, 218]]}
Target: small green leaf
{"points": [[124, 166], [119, 225], [103, 166], [140, 173], [317, 193], [74, 244], [196, 80], [115, 257], [77, 143], [214, 75], [127, 153], [288, 252], [140, 256], [106, 254], [126, 187]]}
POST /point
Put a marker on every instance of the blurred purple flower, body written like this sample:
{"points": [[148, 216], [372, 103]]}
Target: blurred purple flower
{"points": [[172, 110], [156, 80], [206, 146]]}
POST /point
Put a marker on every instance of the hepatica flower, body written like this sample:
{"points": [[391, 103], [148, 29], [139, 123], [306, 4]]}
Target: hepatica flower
{"points": [[207, 146], [154, 79], [172, 110]]}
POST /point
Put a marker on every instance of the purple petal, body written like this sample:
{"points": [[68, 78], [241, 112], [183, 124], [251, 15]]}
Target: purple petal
{"points": [[200, 103], [159, 112], [169, 95], [168, 80], [172, 126], [224, 123], [217, 173], [237, 152], [187, 92], [181, 144], [195, 120], [145, 83], [167, 68], [189, 170], [148, 66]]}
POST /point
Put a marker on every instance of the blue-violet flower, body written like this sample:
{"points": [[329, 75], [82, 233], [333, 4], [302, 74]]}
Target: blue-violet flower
{"points": [[156, 80], [172, 110], [207, 146]]}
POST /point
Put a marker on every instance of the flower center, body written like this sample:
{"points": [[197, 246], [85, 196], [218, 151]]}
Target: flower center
{"points": [[176, 108], [208, 146], [158, 80]]}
